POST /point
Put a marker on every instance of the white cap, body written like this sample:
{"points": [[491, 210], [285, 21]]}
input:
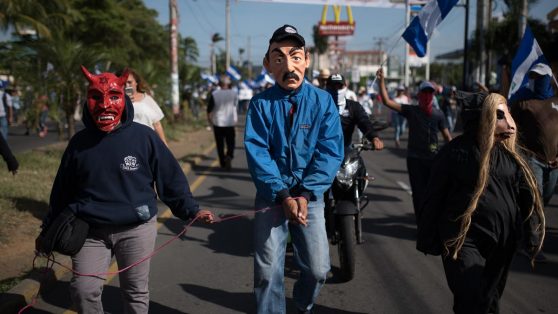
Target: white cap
{"points": [[542, 69]]}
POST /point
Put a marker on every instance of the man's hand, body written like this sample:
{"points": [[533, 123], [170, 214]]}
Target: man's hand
{"points": [[378, 144], [302, 211], [205, 215], [290, 206], [380, 74]]}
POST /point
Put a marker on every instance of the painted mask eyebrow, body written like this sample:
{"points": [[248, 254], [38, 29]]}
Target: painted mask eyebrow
{"points": [[294, 49], [278, 51]]}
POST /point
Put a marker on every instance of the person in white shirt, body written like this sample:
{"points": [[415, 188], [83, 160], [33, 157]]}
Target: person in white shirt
{"points": [[245, 93], [146, 110], [222, 115]]}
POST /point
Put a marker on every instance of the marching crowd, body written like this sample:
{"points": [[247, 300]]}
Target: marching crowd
{"points": [[478, 198]]}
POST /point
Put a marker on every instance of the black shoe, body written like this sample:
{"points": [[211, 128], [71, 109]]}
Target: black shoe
{"points": [[228, 163], [304, 312]]}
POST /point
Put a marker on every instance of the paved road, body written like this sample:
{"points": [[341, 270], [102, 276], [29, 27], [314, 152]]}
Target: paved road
{"points": [[19, 142], [209, 270]]}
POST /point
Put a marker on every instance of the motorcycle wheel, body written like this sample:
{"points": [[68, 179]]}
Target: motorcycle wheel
{"points": [[346, 246]]}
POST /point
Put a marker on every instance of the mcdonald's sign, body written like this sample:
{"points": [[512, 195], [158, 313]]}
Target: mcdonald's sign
{"points": [[336, 27]]}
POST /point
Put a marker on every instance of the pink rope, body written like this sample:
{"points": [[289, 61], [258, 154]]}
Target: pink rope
{"points": [[51, 260]]}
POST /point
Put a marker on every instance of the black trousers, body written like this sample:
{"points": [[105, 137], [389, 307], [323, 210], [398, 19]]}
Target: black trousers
{"points": [[478, 277], [419, 173], [224, 135]]}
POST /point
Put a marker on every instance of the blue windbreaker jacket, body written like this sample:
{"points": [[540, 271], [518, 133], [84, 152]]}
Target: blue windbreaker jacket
{"points": [[301, 159]]}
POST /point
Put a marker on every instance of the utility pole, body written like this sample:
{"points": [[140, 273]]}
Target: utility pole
{"points": [[523, 18], [174, 56], [482, 25], [228, 35], [466, 47], [249, 57]]}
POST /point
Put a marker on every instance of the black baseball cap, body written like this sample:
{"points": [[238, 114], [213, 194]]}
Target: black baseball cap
{"points": [[335, 79], [287, 32]]}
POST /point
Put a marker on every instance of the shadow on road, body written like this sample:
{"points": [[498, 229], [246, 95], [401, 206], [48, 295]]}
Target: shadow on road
{"points": [[219, 241], [245, 302], [381, 198], [401, 227], [240, 174]]}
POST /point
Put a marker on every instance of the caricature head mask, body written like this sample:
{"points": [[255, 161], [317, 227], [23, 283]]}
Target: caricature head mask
{"points": [[105, 98]]}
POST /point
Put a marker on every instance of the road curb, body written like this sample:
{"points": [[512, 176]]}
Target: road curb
{"points": [[23, 293]]}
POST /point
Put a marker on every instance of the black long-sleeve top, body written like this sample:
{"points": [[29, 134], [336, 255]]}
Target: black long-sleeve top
{"points": [[501, 210], [355, 116]]}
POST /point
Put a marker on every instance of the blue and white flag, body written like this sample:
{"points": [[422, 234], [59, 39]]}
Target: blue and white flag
{"points": [[423, 25], [527, 57], [234, 73], [210, 78]]}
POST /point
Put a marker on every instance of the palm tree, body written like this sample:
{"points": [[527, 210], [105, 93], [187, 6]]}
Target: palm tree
{"points": [[38, 16], [190, 49], [65, 78], [320, 42], [215, 38], [188, 71]]}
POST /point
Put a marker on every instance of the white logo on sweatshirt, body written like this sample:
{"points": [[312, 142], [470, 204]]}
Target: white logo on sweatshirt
{"points": [[130, 164]]}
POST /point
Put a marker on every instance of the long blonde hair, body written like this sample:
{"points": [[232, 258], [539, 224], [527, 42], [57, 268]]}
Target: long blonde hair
{"points": [[485, 139]]}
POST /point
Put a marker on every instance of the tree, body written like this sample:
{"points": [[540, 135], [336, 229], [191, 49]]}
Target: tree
{"points": [[65, 57], [189, 48], [502, 39], [215, 38], [320, 42], [188, 71]]}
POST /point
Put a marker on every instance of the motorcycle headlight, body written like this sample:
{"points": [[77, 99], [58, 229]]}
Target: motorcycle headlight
{"points": [[345, 174]]}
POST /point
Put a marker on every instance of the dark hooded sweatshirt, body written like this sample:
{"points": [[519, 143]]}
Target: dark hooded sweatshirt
{"points": [[109, 178]]}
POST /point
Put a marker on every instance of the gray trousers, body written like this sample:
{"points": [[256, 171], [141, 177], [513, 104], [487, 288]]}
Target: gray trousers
{"points": [[127, 244]]}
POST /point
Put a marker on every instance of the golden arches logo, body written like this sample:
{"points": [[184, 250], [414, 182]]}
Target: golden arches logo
{"points": [[337, 14], [336, 27]]}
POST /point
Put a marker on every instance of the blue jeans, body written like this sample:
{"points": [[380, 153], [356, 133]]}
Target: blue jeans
{"points": [[398, 122], [546, 177], [311, 250]]}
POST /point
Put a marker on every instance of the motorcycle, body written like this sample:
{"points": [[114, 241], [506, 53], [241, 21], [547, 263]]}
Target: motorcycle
{"points": [[346, 202]]}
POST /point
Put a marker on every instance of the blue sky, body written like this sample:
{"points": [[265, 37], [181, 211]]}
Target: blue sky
{"points": [[201, 18]]}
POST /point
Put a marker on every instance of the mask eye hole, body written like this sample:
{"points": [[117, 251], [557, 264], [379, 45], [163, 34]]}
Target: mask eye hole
{"points": [[500, 114]]}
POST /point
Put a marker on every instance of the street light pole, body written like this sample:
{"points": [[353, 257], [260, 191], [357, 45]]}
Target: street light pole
{"points": [[228, 22]]}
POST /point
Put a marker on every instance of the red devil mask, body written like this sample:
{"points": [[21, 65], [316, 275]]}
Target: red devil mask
{"points": [[105, 98]]}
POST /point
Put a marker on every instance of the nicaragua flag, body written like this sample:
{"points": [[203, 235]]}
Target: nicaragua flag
{"points": [[210, 78], [233, 73], [527, 57], [423, 25]]}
